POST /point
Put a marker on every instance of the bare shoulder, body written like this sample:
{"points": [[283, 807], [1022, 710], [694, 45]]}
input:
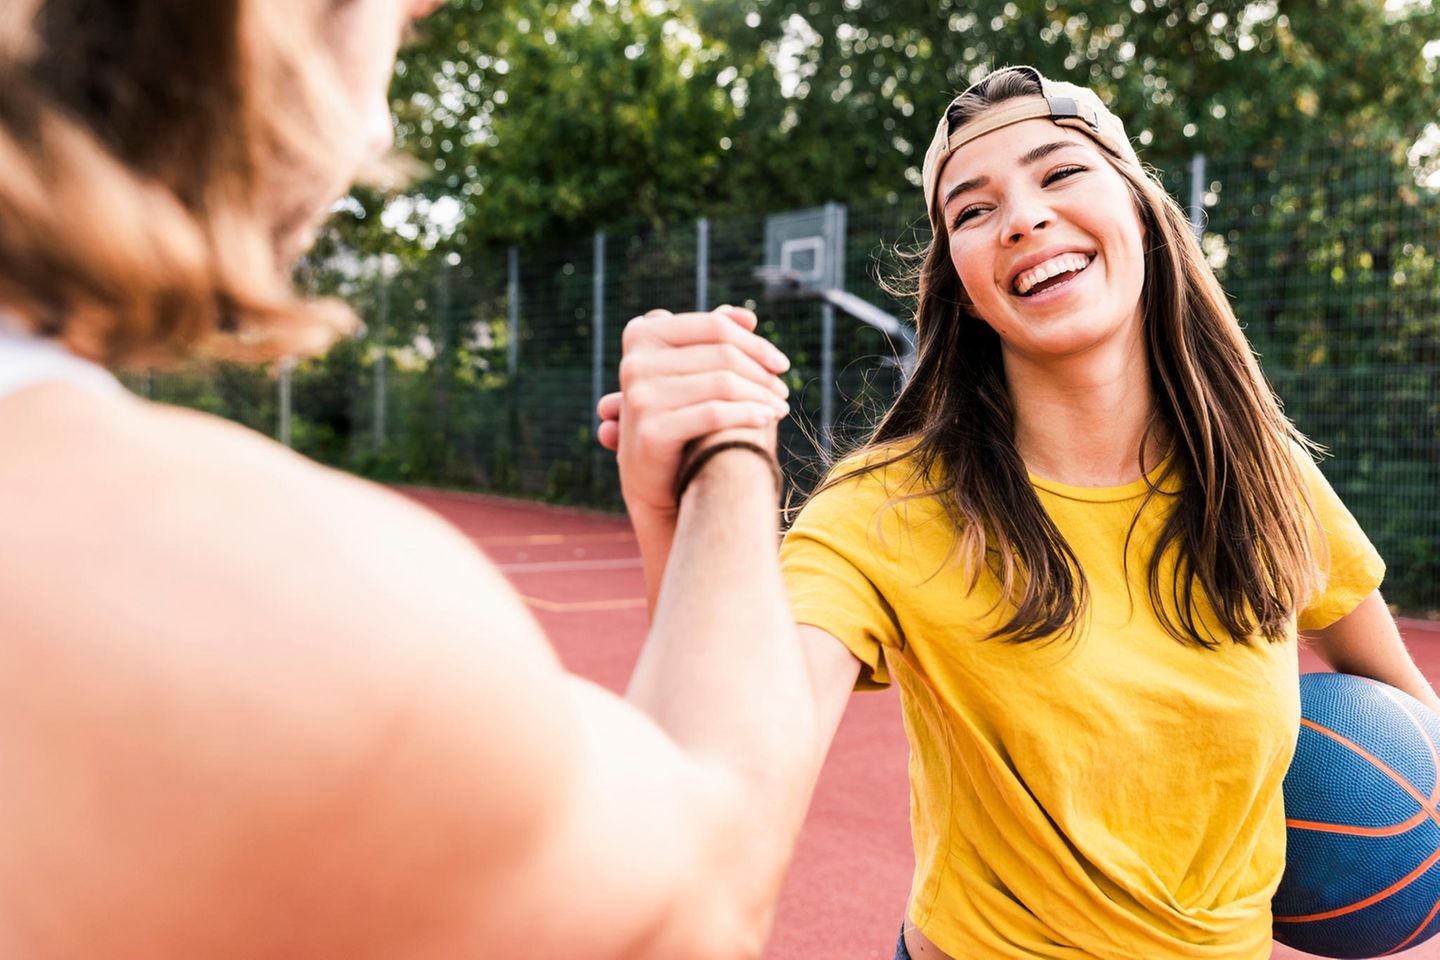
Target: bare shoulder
{"points": [[258, 663], [158, 491], [212, 523]]}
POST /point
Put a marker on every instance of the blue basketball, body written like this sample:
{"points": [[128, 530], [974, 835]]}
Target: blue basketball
{"points": [[1362, 866]]}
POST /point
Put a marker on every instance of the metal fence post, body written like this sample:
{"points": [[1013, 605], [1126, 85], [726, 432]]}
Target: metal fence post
{"points": [[827, 378], [512, 357], [702, 264], [287, 364], [1197, 195], [382, 332], [597, 357], [835, 227], [443, 364], [597, 353], [512, 297]]}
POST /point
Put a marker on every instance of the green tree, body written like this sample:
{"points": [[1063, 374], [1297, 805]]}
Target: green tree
{"points": [[841, 96], [547, 118]]}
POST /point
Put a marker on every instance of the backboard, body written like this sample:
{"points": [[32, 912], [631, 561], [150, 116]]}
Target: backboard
{"points": [[808, 246]]}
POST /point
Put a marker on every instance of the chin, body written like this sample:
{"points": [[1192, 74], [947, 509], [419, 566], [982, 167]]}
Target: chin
{"points": [[305, 208], [296, 243], [296, 235]]}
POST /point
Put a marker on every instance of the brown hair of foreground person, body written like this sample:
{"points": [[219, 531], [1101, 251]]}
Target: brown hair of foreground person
{"points": [[157, 158]]}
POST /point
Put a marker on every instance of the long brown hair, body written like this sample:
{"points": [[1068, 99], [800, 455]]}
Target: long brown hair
{"points": [[140, 144], [1239, 527]]}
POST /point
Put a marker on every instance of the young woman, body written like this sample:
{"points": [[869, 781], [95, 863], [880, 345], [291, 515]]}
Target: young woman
{"points": [[250, 707], [1082, 541]]}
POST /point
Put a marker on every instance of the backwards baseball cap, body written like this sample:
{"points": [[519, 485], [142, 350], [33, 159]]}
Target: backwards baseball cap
{"points": [[1062, 103]]}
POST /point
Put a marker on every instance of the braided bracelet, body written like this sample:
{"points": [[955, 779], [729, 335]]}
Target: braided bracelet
{"points": [[692, 467]]}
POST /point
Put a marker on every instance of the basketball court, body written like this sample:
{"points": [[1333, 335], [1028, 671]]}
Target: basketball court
{"points": [[580, 574]]}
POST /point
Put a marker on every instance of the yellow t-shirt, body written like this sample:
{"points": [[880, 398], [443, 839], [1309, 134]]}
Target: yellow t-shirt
{"points": [[1111, 795]]}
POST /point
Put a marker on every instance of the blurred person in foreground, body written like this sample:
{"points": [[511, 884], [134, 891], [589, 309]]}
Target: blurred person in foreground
{"points": [[1082, 541], [254, 707]]}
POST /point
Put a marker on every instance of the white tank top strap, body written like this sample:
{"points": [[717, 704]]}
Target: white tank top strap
{"points": [[26, 360]]}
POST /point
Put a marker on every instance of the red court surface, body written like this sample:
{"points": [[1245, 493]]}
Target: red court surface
{"points": [[580, 574]]}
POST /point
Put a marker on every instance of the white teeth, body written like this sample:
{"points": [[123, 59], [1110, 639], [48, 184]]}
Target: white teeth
{"points": [[1065, 263]]}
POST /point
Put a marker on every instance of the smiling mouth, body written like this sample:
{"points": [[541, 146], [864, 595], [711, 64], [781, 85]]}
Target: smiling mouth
{"points": [[1051, 274]]}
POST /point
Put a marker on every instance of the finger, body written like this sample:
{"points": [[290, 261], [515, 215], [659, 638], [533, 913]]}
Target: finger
{"points": [[660, 394], [650, 364], [609, 406], [687, 423], [609, 434], [745, 318], [689, 329]]}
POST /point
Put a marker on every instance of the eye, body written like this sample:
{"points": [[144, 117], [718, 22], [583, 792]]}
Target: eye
{"points": [[969, 213], [1061, 173]]}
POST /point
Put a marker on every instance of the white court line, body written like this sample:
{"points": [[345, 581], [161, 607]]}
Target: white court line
{"points": [[556, 566], [585, 606], [547, 539]]}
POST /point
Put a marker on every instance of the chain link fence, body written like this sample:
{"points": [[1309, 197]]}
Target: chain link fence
{"points": [[482, 371]]}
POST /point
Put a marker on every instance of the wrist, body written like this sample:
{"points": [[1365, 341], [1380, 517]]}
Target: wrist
{"points": [[650, 523], [727, 458]]}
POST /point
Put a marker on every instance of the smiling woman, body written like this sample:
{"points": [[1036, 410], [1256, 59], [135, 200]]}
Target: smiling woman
{"points": [[1081, 541], [1022, 187], [1069, 268], [1085, 533]]}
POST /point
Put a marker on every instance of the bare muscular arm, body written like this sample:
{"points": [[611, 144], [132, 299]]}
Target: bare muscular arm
{"points": [[258, 708]]}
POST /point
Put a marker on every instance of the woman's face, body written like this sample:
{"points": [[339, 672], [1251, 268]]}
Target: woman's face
{"points": [[363, 37], [1046, 240]]}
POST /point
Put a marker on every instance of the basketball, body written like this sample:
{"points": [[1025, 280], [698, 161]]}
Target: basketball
{"points": [[1362, 873]]}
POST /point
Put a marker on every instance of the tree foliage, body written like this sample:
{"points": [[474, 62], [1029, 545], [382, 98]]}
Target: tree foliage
{"points": [[545, 117]]}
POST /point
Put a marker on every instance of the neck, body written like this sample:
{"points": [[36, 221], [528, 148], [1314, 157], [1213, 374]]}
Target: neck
{"points": [[1082, 420]]}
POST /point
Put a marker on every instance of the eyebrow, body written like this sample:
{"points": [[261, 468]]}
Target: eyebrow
{"points": [[1039, 153]]}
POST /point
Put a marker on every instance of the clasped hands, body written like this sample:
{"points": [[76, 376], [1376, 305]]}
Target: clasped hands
{"points": [[682, 377]]}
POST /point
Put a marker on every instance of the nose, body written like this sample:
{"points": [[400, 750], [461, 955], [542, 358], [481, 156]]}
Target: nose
{"points": [[1027, 214]]}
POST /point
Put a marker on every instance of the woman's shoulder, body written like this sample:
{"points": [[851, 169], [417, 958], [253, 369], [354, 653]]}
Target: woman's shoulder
{"points": [[880, 485], [877, 474], [896, 468]]}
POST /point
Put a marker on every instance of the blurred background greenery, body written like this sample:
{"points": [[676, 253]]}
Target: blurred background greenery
{"points": [[488, 302]]}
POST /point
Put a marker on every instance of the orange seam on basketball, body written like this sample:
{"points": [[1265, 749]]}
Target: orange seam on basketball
{"points": [[1424, 735], [1423, 924], [1400, 884], [1425, 803], [1354, 831]]}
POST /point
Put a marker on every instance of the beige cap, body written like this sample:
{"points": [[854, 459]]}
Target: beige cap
{"points": [[1063, 103]]}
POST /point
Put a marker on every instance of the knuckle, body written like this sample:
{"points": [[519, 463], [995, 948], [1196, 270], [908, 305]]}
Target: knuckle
{"points": [[712, 415], [645, 434], [635, 330], [640, 397], [733, 385], [630, 369]]}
